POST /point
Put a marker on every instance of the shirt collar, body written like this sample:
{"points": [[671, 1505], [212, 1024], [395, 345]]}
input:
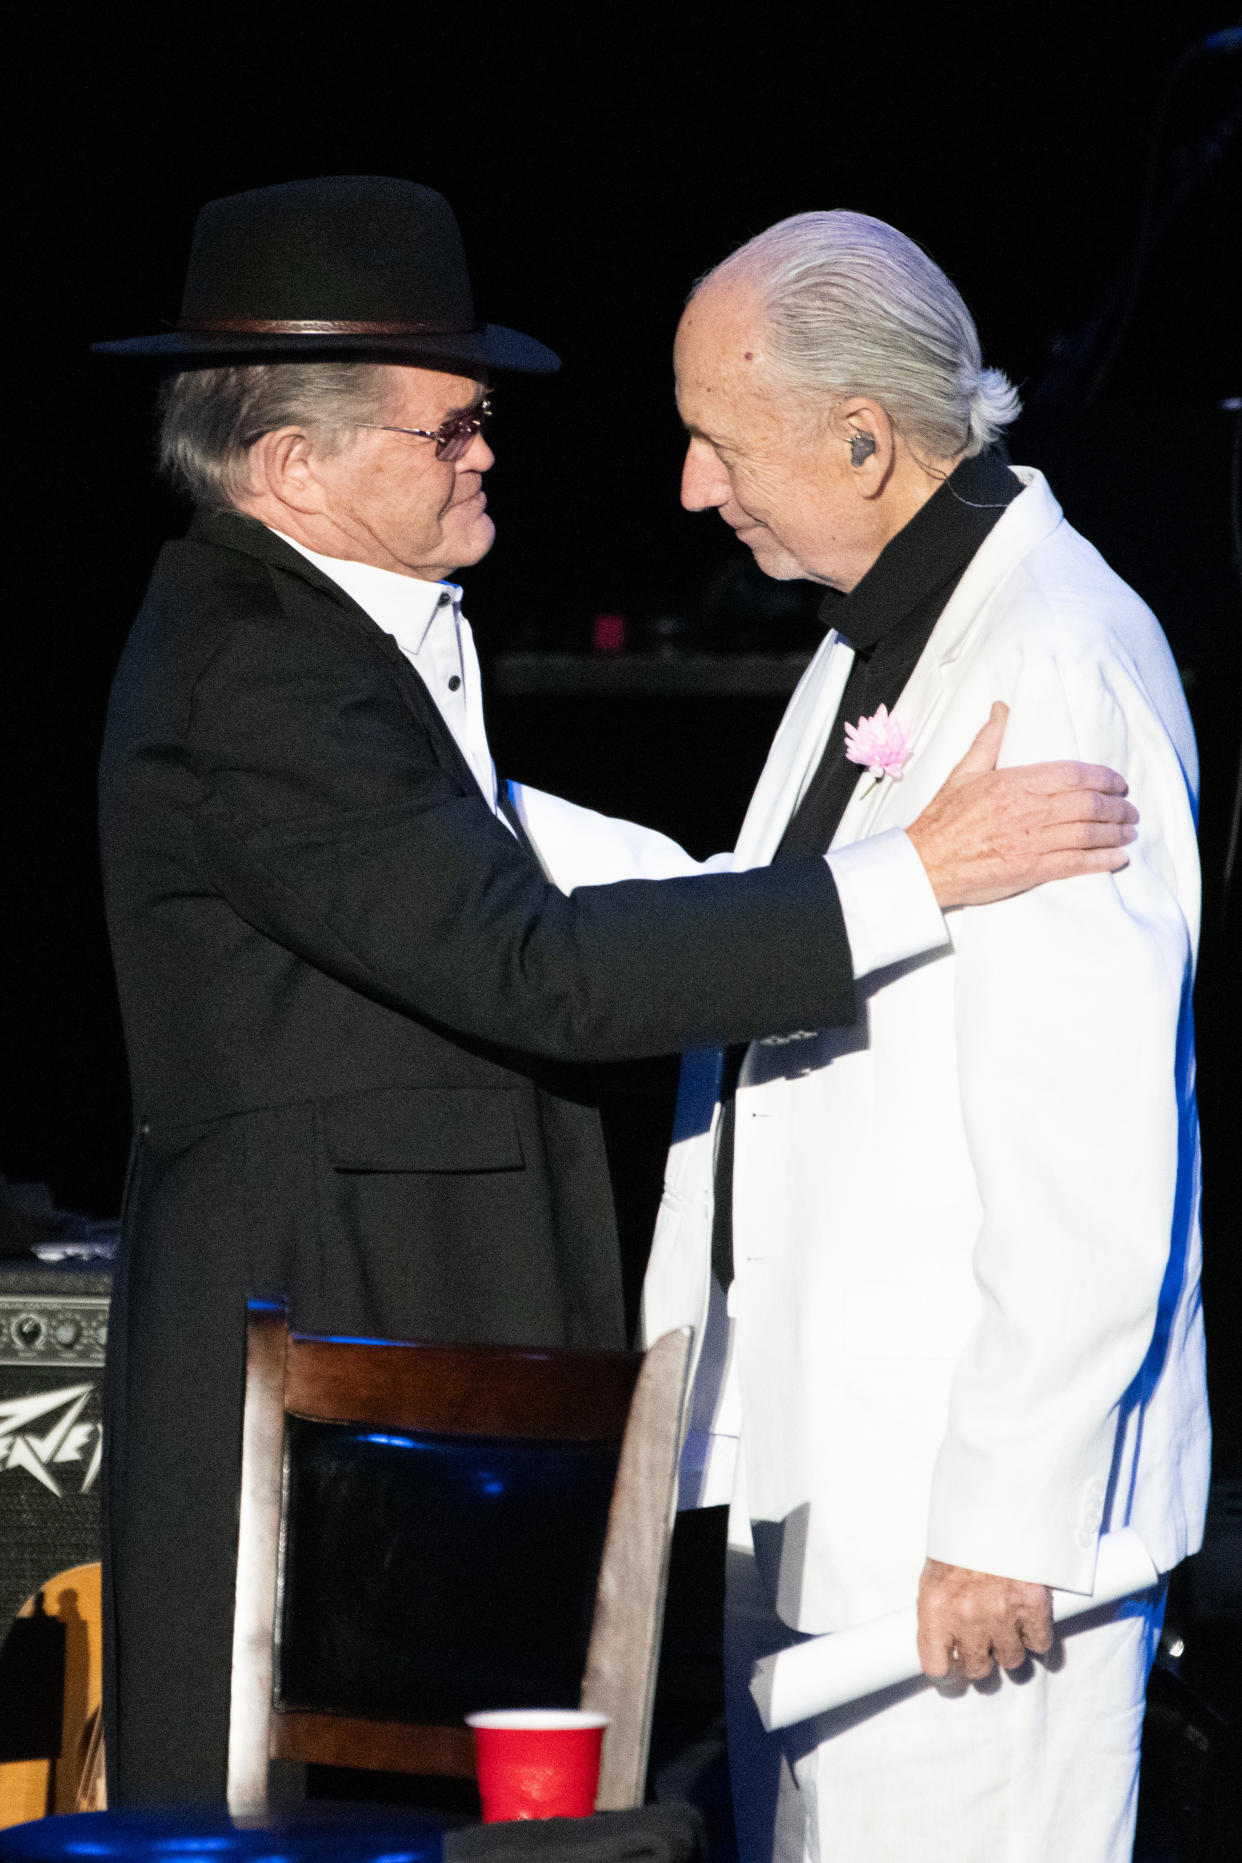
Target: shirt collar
{"points": [[929, 551], [404, 606]]}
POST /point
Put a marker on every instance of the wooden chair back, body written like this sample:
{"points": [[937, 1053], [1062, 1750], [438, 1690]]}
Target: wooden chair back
{"points": [[443, 1393]]}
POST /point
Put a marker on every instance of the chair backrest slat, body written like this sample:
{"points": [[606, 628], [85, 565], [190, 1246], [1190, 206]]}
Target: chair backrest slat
{"points": [[460, 1390], [623, 1656], [380, 1746], [258, 1562]]}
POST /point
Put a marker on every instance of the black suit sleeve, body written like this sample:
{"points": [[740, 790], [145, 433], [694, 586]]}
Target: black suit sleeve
{"points": [[329, 824]]}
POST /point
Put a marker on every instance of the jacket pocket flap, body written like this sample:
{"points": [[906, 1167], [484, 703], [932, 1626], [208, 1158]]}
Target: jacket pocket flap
{"points": [[423, 1129]]}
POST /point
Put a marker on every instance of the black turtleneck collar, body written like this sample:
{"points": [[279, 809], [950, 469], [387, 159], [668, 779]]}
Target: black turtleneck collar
{"points": [[928, 552]]}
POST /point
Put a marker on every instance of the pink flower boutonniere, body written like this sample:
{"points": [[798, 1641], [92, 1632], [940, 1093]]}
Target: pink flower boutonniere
{"points": [[879, 742]]}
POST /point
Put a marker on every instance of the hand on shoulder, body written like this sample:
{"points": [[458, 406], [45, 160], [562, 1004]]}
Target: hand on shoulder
{"points": [[989, 833]]}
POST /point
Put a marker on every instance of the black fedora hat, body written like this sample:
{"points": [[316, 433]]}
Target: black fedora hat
{"points": [[355, 264]]}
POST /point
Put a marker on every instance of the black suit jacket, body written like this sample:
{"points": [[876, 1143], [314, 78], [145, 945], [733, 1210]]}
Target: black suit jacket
{"points": [[358, 1022]]}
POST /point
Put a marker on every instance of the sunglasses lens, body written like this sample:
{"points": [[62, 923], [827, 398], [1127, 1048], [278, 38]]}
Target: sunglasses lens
{"points": [[454, 440], [453, 444]]}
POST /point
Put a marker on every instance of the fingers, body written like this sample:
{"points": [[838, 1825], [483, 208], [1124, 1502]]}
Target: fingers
{"points": [[964, 1657], [1096, 776], [1040, 778], [985, 750], [973, 1654], [937, 1654], [1030, 1632], [1076, 863], [1068, 863], [1070, 818], [1009, 1647], [1036, 1630], [1049, 778], [1087, 835], [970, 1621], [1111, 834], [949, 1645], [1107, 830], [976, 1661], [1064, 805], [1110, 808], [1028, 799], [973, 1658]]}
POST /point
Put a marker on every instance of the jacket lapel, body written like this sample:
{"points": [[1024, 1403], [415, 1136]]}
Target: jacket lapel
{"points": [[230, 530], [795, 753]]}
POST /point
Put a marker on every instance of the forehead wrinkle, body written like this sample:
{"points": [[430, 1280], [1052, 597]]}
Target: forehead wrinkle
{"points": [[712, 437], [731, 414]]}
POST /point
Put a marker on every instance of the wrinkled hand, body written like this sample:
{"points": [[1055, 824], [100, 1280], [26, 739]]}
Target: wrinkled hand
{"points": [[988, 833], [969, 1621]]}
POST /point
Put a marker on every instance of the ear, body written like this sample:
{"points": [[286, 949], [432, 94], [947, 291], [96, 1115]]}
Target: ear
{"points": [[282, 467], [867, 434]]}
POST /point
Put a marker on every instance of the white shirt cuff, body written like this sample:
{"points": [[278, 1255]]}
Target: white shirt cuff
{"points": [[887, 901]]}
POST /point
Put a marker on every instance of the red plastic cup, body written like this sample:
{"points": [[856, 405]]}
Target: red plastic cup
{"points": [[537, 1762]]}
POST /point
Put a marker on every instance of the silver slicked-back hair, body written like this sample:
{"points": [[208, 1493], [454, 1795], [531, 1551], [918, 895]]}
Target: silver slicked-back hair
{"points": [[854, 307], [210, 418]]}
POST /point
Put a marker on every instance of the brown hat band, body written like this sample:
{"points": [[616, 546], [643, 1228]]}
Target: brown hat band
{"points": [[308, 326]]}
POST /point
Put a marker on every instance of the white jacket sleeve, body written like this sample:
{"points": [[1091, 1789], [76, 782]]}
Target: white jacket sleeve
{"points": [[579, 847]]}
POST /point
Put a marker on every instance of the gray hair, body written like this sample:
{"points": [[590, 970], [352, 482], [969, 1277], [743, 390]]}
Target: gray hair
{"points": [[854, 307], [210, 418]]}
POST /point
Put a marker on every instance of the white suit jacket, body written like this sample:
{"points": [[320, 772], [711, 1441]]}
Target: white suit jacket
{"points": [[965, 1309]]}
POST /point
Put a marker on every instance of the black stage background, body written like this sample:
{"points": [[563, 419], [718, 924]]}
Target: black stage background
{"points": [[598, 161]]}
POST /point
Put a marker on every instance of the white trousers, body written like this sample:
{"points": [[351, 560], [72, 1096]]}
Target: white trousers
{"points": [[1040, 1766]]}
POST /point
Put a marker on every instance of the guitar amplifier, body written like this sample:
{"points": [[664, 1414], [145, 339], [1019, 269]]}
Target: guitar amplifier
{"points": [[53, 1331]]}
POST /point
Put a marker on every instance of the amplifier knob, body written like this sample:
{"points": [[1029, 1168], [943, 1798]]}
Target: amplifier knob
{"points": [[66, 1332], [29, 1331]]}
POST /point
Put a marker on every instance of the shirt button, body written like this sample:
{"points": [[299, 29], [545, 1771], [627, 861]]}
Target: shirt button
{"points": [[454, 682]]}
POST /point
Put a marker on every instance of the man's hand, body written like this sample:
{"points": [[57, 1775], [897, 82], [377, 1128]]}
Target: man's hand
{"points": [[989, 833], [970, 1620]]}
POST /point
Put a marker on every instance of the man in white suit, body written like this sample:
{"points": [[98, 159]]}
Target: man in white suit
{"points": [[960, 1238]]}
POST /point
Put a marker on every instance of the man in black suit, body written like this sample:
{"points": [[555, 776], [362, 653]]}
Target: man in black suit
{"points": [[359, 1021]]}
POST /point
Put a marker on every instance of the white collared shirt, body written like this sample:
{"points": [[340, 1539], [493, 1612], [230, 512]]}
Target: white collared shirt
{"points": [[425, 620]]}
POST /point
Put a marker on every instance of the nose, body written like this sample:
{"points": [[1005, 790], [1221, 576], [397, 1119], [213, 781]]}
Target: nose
{"points": [[704, 484], [478, 456]]}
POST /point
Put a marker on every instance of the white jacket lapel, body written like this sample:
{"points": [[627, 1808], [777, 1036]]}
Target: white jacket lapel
{"points": [[795, 753], [916, 709]]}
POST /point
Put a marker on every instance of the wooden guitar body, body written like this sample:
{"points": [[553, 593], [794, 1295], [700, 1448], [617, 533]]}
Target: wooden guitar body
{"points": [[74, 1782]]}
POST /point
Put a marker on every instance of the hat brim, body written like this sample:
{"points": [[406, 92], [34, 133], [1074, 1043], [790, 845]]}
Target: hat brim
{"points": [[491, 346]]}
